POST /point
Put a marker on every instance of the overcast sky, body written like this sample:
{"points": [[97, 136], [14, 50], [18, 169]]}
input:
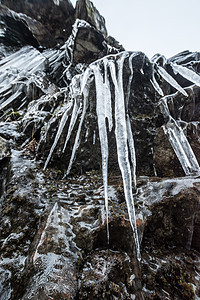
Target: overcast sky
{"points": [[153, 26]]}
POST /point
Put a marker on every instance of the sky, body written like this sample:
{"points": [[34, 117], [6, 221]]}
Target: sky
{"points": [[153, 26]]}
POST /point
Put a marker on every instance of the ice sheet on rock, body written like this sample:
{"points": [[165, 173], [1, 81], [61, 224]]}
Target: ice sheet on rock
{"points": [[21, 75], [171, 80], [186, 73], [153, 192], [10, 99], [28, 59], [159, 59], [64, 56]]}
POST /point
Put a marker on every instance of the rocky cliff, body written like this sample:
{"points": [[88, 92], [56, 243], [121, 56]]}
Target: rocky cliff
{"points": [[99, 161]]}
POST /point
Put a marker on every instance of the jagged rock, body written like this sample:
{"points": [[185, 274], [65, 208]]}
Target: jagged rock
{"points": [[119, 113], [56, 16], [170, 244], [14, 31], [114, 43], [89, 45], [85, 10], [19, 30], [173, 219]]}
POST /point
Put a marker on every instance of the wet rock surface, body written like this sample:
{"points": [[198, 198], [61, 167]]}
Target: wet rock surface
{"points": [[63, 112]]}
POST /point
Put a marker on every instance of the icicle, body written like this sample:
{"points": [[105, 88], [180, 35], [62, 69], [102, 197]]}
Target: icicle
{"points": [[75, 113], [179, 142], [130, 77], [186, 73], [156, 85], [182, 148], [128, 123], [84, 80], [171, 80], [77, 139], [59, 132], [11, 99], [75, 94], [132, 150], [101, 106], [107, 96], [122, 147]]}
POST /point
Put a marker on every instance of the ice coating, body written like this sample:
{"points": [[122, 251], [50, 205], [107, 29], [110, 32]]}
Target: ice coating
{"points": [[171, 80], [186, 73]]}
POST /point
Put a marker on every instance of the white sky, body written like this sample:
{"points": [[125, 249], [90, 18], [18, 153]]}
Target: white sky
{"points": [[153, 26]]}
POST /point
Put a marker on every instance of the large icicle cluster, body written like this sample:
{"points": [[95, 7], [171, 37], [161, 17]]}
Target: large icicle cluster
{"points": [[26, 68], [108, 72]]}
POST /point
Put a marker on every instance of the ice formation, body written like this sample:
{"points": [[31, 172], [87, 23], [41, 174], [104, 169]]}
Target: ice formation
{"points": [[106, 72], [79, 89], [26, 67]]}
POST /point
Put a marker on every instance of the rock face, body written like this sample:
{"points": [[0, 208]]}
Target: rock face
{"points": [[14, 31], [56, 16], [88, 129], [85, 10]]}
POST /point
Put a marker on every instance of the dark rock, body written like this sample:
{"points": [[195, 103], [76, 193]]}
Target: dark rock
{"points": [[4, 149], [89, 45], [105, 274], [4, 166], [165, 160], [15, 31], [57, 18], [85, 10], [114, 43]]}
